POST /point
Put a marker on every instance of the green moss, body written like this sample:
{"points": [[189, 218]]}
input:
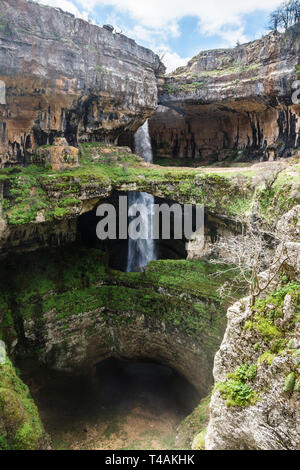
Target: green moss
{"points": [[237, 393], [199, 441], [278, 345], [246, 372], [20, 424], [265, 317], [266, 328], [181, 293], [267, 357], [235, 390], [278, 199], [289, 382]]}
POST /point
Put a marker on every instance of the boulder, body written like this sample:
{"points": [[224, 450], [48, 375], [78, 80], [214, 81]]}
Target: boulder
{"points": [[58, 157]]}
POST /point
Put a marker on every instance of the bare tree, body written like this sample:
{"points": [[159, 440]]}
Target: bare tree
{"points": [[269, 175], [248, 255], [286, 15]]}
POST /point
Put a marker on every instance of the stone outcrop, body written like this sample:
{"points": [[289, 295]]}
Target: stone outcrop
{"points": [[59, 156], [66, 77], [255, 404], [231, 103]]}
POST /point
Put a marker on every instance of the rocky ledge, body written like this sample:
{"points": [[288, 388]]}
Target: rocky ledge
{"points": [[40, 207]]}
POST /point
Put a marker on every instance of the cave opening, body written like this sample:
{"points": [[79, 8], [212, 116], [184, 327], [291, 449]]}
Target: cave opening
{"points": [[120, 404]]}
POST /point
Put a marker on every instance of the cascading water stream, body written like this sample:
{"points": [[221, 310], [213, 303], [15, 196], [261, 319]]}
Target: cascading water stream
{"points": [[142, 250]]}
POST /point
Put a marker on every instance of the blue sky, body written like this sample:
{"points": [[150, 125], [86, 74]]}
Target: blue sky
{"points": [[178, 29]]}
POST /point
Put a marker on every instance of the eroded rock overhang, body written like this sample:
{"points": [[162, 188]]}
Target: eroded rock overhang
{"points": [[234, 103]]}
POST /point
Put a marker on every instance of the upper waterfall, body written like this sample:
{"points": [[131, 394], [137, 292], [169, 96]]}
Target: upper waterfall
{"points": [[142, 142], [142, 250]]}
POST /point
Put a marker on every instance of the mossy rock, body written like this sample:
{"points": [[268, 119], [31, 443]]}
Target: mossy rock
{"points": [[20, 424]]}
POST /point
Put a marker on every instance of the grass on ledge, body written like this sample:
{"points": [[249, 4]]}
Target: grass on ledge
{"points": [[34, 190]]}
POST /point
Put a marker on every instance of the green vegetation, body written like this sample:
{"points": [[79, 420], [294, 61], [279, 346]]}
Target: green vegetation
{"points": [[20, 424], [267, 357], [80, 281], [235, 390], [280, 198], [268, 310], [223, 71], [174, 88], [289, 382], [54, 195]]}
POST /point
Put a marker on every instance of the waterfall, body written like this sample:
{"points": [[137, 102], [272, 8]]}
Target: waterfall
{"points": [[142, 250]]}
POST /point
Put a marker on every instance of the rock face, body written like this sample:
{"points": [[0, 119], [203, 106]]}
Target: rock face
{"points": [[66, 77], [256, 400], [231, 103]]}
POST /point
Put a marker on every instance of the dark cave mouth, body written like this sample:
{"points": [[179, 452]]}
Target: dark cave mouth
{"points": [[121, 402], [151, 384]]}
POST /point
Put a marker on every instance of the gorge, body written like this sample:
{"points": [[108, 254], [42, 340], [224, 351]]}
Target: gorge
{"points": [[137, 330]]}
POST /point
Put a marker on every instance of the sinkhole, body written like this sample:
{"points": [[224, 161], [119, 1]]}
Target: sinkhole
{"points": [[121, 405]]}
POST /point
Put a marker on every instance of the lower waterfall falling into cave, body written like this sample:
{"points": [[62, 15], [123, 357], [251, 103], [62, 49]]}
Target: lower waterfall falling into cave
{"points": [[142, 250]]}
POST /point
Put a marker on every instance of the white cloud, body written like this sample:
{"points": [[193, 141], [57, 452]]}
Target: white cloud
{"points": [[66, 5], [233, 36], [213, 15], [172, 61]]}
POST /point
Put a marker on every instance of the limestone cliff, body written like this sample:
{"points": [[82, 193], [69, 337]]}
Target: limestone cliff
{"points": [[231, 103], [255, 404], [66, 77]]}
